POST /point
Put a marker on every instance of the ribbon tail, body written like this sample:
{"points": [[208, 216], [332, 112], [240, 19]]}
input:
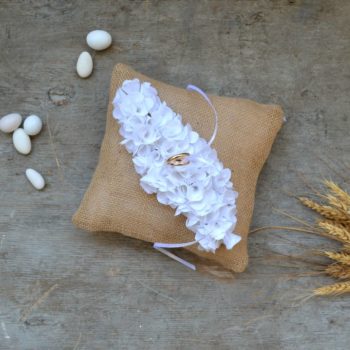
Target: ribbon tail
{"points": [[173, 256], [161, 248]]}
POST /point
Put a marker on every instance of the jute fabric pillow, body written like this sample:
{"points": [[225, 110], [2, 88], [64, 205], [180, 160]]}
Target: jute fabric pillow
{"points": [[115, 202]]}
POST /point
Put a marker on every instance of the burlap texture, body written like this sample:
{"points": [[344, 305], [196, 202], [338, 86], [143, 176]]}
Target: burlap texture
{"points": [[115, 202]]}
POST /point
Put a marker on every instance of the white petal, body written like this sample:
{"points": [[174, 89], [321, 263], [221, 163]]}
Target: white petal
{"points": [[130, 86], [231, 239]]}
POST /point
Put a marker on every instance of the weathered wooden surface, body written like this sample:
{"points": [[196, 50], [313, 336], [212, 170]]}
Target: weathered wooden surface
{"points": [[62, 288]]}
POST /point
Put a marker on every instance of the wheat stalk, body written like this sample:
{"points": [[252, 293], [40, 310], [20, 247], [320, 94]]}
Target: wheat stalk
{"points": [[333, 289], [340, 271], [335, 225]]}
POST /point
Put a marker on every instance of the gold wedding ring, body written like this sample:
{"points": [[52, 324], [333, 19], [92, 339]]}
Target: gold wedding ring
{"points": [[179, 159]]}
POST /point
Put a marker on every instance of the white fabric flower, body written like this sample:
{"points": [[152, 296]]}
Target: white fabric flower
{"points": [[200, 190]]}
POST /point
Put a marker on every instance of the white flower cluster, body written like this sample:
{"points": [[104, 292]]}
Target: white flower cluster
{"points": [[200, 190]]}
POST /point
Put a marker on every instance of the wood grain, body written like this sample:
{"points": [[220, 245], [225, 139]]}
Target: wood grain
{"points": [[61, 288]]}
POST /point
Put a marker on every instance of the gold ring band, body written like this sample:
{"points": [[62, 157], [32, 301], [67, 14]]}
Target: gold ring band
{"points": [[178, 159]]}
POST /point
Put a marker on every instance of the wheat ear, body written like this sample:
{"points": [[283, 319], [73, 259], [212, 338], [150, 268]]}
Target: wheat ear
{"points": [[335, 231], [326, 211], [341, 257], [337, 203], [340, 271], [346, 248], [333, 289], [337, 191]]}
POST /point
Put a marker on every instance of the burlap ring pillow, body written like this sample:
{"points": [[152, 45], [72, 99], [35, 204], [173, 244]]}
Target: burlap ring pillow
{"points": [[115, 202]]}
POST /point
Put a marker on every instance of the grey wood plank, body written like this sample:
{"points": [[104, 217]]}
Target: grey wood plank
{"points": [[62, 288]]}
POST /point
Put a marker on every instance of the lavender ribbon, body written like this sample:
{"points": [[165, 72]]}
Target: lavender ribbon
{"points": [[206, 97], [175, 257], [161, 247]]}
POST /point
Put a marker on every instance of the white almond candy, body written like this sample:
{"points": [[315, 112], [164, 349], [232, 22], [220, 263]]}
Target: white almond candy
{"points": [[84, 65], [21, 141], [10, 122], [32, 125], [35, 179], [99, 40]]}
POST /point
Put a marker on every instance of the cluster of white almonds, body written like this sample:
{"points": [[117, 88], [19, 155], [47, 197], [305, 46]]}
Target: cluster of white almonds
{"points": [[98, 40], [32, 126], [201, 190]]}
